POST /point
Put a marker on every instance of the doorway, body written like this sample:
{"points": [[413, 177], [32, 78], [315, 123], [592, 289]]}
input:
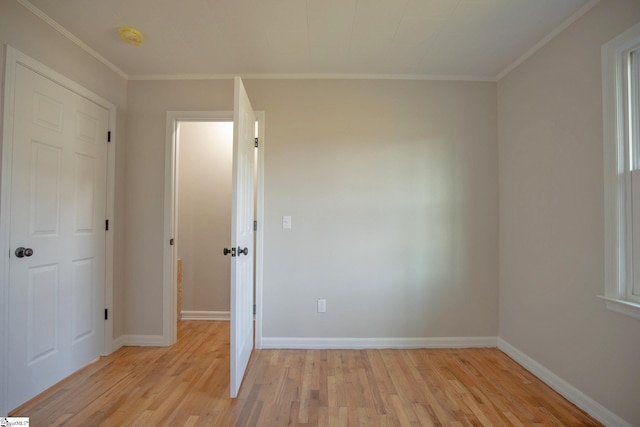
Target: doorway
{"points": [[174, 118], [203, 199]]}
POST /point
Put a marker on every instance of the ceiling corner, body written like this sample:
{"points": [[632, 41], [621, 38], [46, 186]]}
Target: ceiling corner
{"points": [[556, 31], [66, 33]]}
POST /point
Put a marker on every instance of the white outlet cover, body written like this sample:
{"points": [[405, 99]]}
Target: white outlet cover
{"points": [[286, 222]]}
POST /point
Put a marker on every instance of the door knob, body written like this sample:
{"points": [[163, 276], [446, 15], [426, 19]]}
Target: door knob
{"points": [[23, 252], [244, 251], [227, 251]]}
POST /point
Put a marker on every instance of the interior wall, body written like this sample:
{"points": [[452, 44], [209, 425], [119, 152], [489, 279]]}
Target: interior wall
{"points": [[552, 216], [204, 214], [26, 32], [392, 187]]}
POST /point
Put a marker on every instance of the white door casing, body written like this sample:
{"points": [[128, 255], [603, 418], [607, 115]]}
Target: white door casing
{"points": [[54, 202], [242, 214], [174, 118]]}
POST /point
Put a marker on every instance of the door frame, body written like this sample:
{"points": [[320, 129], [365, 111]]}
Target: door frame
{"points": [[13, 57], [169, 304]]}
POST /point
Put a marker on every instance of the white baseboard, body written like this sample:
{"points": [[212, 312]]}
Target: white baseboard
{"points": [[138, 341], [569, 392], [373, 343], [205, 315], [117, 343]]}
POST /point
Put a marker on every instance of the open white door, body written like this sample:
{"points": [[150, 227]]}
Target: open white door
{"points": [[242, 252]]}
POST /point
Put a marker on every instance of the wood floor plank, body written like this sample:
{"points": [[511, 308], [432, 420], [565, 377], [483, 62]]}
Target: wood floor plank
{"points": [[188, 385]]}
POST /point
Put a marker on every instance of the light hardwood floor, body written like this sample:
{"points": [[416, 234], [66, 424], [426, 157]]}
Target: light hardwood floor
{"points": [[188, 385]]}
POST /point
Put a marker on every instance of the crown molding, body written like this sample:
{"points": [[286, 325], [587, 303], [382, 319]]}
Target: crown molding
{"points": [[59, 28], [566, 23], [311, 76]]}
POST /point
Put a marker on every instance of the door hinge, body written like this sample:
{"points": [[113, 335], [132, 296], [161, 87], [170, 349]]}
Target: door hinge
{"points": [[106, 224], [106, 314], [255, 225], [109, 136], [254, 309], [256, 144]]}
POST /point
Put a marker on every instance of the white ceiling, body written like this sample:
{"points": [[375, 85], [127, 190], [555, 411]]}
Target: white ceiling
{"points": [[455, 39]]}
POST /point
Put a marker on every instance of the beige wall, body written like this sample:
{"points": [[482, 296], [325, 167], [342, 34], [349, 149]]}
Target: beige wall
{"points": [[392, 186], [204, 214], [551, 216], [24, 31], [147, 106]]}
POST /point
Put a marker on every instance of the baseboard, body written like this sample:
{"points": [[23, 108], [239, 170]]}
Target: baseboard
{"points": [[374, 343], [138, 341], [117, 343], [205, 315], [568, 391]]}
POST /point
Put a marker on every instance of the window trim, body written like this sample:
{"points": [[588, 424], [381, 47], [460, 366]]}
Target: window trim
{"points": [[617, 174]]}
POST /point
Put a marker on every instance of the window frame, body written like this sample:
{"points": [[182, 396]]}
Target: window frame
{"points": [[619, 102]]}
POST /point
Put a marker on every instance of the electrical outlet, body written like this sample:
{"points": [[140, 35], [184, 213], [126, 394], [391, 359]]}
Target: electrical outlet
{"points": [[322, 306]]}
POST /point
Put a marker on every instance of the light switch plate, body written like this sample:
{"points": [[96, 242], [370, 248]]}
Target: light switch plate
{"points": [[286, 222]]}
